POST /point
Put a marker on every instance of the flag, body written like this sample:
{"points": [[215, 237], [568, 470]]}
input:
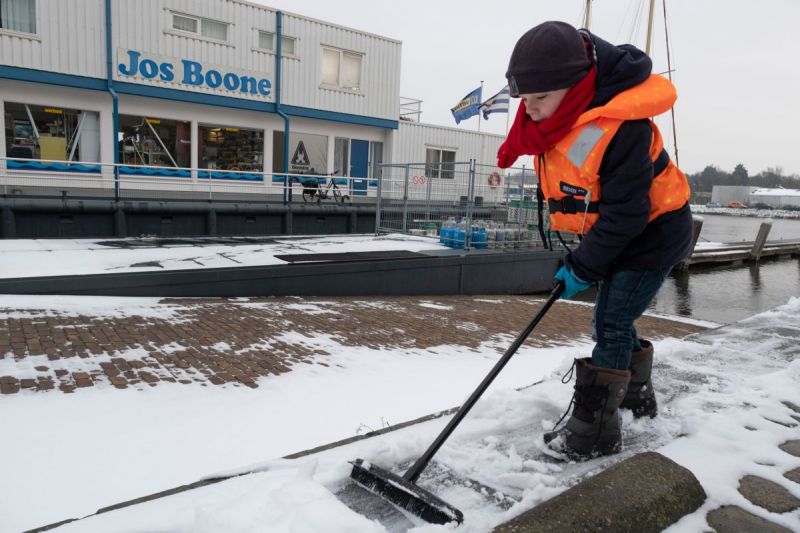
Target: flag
{"points": [[468, 106], [496, 104]]}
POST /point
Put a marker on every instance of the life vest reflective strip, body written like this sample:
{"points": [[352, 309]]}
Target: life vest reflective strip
{"points": [[570, 179]]}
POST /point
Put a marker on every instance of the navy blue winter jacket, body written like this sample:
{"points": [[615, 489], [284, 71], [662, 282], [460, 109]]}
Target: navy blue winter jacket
{"points": [[622, 238]]}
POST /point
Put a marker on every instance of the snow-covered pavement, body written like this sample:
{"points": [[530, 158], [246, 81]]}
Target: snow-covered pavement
{"points": [[723, 416]]}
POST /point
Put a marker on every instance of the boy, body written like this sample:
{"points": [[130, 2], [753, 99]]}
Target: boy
{"points": [[585, 116]]}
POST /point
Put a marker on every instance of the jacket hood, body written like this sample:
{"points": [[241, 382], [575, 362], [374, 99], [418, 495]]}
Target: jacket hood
{"points": [[618, 68]]}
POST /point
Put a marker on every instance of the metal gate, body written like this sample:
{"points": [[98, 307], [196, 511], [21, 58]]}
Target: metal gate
{"points": [[484, 206]]}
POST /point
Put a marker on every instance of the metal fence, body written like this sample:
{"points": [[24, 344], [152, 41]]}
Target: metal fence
{"points": [[464, 204], [31, 178]]}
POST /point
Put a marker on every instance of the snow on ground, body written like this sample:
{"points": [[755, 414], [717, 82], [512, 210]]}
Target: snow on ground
{"points": [[71, 454], [698, 209], [63, 257]]}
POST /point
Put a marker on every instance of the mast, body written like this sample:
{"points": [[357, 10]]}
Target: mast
{"points": [[650, 26], [587, 14]]}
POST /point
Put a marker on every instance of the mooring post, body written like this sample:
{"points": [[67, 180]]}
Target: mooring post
{"points": [[761, 239], [697, 226]]}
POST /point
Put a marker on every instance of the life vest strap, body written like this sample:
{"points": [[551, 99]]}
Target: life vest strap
{"points": [[569, 206]]}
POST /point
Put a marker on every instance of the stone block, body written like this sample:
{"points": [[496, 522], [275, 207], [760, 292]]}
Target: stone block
{"points": [[767, 494], [732, 519], [645, 493]]}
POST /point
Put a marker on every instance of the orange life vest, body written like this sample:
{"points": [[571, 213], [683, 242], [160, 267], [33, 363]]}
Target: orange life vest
{"points": [[570, 179]]}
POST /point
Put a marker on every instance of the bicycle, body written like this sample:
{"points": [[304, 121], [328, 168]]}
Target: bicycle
{"points": [[312, 189]]}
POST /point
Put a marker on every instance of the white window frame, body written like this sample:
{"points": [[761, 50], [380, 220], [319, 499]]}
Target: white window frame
{"points": [[199, 22], [342, 53], [30, 35], [273, 49], [434, 169]]}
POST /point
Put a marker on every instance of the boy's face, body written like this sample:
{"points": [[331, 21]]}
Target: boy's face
{"points": [[540, 106]]}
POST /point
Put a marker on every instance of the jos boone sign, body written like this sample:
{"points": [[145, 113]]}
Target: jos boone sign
{"points": [[135, 64]]}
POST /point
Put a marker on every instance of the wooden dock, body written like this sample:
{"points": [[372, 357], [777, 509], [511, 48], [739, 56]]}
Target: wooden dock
{"points": [[742, 252]]}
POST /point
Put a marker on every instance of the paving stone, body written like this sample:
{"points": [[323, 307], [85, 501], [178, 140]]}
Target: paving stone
{"points": [[27, 383], [41, 368], [793, 406], [793, 475], [767, 494], [45, 384], [119, 382], [148, 377], [9, 387], [732, 519], [791, 447]]}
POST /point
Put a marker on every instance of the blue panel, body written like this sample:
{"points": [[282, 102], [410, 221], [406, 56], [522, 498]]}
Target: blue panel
{"points": [[141, 171], [229, 176], [50, 167], [359, 166], [52, 78], [339, 117]]}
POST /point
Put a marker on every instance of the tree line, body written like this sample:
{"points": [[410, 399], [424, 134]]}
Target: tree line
{"points": [[772, 178]]}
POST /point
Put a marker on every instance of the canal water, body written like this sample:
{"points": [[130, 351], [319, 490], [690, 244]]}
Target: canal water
{"points": [[730, 293], [726, 294]]}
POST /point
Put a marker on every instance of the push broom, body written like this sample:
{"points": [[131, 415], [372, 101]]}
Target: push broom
{"points": [[403, 491]]}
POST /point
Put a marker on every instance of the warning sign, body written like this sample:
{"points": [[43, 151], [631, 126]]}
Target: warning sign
{"points": [[300, 161]]}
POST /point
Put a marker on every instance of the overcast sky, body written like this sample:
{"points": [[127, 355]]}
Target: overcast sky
{"points": [[736, 63]]}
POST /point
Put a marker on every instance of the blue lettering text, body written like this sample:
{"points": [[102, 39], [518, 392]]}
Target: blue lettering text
{"points": [[231, 81], [166, 72], [148, 68], [133, 68], [264, 86], [213, 79], [249, 84], [192, 72]]}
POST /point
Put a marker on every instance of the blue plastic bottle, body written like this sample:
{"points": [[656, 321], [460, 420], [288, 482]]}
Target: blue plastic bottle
{"points": [[479, 238], [459, 236]]}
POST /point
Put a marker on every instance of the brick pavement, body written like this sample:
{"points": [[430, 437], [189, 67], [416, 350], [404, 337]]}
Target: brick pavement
{"points": [[236, 341]]}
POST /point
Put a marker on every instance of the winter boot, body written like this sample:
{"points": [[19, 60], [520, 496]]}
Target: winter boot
{"points": [[641, 398], [594, 428]]}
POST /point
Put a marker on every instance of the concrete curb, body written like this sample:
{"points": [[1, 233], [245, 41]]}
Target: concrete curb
{"points": [[644, 493]]}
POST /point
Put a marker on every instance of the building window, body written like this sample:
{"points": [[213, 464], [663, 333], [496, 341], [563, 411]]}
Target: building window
{"points": [[18, 15], [376, 159], [231, 148], [266, 41], [200, 26], [341, 69], [154, 142], [52, 133], [440, 163]]}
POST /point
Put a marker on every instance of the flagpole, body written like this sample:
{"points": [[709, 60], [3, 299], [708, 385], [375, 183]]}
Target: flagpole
{"points": [[479, 110], [508, 112]]}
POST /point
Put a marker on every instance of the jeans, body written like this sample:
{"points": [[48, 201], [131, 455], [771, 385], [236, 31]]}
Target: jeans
{"points": [[621, 299]]}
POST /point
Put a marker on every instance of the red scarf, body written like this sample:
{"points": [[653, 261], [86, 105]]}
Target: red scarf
{"points": [[527, 137]]}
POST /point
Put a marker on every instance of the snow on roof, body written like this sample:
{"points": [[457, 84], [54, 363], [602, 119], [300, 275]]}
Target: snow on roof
{"points": [[775, 192]]}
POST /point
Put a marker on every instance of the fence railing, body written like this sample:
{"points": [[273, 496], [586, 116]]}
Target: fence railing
{"points": [[465, 204], [81, 180]]}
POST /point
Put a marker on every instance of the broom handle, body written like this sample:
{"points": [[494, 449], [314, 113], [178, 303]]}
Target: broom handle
{"points": [[416, 469]]}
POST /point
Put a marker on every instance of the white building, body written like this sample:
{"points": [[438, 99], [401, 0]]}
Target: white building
{"points": [[205, 90], [751, 196]]}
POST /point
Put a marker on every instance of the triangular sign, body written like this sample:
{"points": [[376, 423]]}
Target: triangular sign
{"points": [[300, 157]]}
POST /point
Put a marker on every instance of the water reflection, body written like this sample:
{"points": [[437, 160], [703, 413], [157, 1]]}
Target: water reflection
{"points": [[728, 294]]}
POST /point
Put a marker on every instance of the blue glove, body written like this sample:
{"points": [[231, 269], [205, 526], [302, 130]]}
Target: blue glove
{"points": [[573, 284]]}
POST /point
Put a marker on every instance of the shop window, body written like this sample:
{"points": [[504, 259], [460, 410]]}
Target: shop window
{"points": [[341, 69], [341, 155], [266, 41], [230, 148], [51, 133], [18, 15], [206, 27], [154, 142], [440, 163]]}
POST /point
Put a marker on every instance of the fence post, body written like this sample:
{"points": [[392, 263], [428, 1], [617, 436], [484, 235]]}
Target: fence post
{"points": [[761, 239], [378, 202], [429, 183], [470, 202], [405, 200]]}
